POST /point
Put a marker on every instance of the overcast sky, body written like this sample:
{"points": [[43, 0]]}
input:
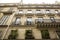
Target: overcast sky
{"points": [[29, 1]]}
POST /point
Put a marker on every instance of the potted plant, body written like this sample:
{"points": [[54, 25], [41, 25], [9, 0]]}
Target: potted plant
{"points": [[13, 34], [45, 34]]}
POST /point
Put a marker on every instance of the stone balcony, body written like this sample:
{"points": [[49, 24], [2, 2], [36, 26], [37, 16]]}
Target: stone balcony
{"points": [[19, 14], [39, 14], [29, 14], [48, 23], [50, 14]]}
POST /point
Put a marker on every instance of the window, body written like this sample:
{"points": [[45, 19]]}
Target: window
{"points": [[38, 11], [13, 34], [52, 19], [17, 22], [29, 20], [4, 19], [45, 34], [20, 11], [47, 11], [29, 34], [56, 11], [29, 11]]}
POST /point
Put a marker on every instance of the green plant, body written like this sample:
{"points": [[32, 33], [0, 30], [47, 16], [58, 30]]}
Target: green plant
{"points": [[13, 34], [28, 34], [45, 34]]}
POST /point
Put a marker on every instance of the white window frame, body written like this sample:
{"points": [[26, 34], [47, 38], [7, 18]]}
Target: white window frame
{"points": [[29, 11], [38, 11], [56, 11], [18, 20], [47, 11]]}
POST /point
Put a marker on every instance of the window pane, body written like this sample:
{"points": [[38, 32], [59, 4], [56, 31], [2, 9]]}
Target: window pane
{"points": [[17, 21], [47, 11], [56, 11], [52, 19], [29, 21]]}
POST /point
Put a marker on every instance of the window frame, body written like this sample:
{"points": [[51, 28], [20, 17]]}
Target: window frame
{"points": [[19, 22]]}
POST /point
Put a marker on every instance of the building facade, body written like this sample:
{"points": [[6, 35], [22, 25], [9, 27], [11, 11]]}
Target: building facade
{"points": [[30, 21]]}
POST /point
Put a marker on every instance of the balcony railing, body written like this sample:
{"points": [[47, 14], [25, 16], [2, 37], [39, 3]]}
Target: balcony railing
{"points": [[49, 20], [48, 23], [25, 24], [15, 24], [50, 14], [57, 20], [39, 14], [48, 6], [29, 13], [29, 23], [19, 14]]}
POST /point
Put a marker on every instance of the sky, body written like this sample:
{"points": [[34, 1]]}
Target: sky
{"points": [[29, 1]]}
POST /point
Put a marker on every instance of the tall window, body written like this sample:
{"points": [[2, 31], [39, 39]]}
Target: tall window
{"points": [[47, 11], [52, 19], [45, 34], [56, 11], [29, 20], [17, 22]]}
